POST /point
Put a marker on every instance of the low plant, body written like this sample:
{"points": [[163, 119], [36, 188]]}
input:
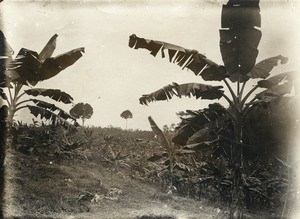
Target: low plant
{"points": [[169, 151]]}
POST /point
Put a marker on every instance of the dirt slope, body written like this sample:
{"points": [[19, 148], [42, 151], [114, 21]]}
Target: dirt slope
{"points": [[51, 187]]}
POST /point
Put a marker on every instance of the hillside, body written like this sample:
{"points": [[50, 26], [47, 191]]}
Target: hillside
{"points": [[51, 182], [52, 172]]}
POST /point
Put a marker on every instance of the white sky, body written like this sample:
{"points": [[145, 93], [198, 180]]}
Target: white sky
{"points": [[120, 75]]}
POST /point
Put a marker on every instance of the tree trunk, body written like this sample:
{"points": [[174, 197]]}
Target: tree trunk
{"points": [[236, 210]]}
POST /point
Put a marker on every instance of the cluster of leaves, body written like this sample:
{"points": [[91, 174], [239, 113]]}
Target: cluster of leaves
{"points": [[266, 179], [27, 69], [45, 140]]}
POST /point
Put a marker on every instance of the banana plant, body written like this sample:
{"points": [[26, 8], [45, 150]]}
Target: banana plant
{"points": [[239, 39], [170, 151], [23, 72]]}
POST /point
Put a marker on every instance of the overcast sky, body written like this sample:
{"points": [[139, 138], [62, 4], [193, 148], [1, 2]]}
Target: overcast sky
{"points": [[111, 76]]}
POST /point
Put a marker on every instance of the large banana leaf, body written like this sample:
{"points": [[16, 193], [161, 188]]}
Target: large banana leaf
{"points": [[185, 58], [239, 38], [196, 121], [2, 94], [5, 49], [24, 68], [29, 67], [202, 91], [275, 80], [44, 113], [54, 94], [274, 93], [49, 48], [58, 112], [162, 138], [6, 53], [52, 66], [46, 105], [263, 68]]}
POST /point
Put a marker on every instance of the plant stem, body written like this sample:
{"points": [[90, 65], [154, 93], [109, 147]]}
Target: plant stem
{"points": [[230, 90], [238, 87], [18, 97], [248, 94], [229, 101], [242, 91], [10, 97], [24, 101]]}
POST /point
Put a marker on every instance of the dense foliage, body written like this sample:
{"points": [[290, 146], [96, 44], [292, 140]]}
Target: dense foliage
{"points": [[203, 175]]}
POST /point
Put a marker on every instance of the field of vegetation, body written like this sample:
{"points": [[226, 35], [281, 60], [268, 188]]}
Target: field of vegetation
{"points": [[55, 172], [92, 172]]}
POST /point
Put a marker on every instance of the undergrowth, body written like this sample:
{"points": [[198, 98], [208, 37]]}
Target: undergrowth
{"points": [[267, 184]]}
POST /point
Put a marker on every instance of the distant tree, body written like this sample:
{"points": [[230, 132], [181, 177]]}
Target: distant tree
{"points": [[126, 115], [82, 111]]}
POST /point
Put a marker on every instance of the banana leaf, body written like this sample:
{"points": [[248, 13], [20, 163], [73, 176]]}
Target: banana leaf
{"points": [[239, 37], [162, 138], [275, 80], [29, 67], [48, 114], [49, 48], [190, 89], [196, 122], [185, 58], [2, 94], [263, 68], [52, 66], [54, 94]]}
